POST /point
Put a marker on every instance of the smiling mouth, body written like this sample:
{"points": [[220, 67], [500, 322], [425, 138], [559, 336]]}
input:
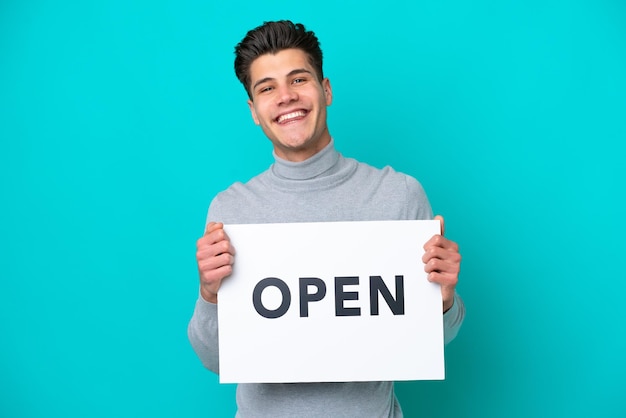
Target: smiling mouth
{"points": [[288, 117]]}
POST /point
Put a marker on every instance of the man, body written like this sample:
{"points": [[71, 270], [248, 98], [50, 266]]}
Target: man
{"points": [[280, 66]]}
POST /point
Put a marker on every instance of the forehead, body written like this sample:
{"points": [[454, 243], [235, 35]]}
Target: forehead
{"points": [[274, 66]]}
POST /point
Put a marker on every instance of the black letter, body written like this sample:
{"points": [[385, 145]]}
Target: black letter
{"points": [[340, 296], [377, 284], [256, 297], [306, 297]]}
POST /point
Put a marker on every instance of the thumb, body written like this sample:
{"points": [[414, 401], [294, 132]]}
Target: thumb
{"points": [[441, 223]]}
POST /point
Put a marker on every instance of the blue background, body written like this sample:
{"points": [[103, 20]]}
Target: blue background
{"points": [[120, 120]]}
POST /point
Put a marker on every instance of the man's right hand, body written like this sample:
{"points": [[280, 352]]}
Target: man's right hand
{"points": [[215, 257]]}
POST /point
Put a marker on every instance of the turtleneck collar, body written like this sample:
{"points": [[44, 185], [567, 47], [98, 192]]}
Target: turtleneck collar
{"points": [[308, 169]]}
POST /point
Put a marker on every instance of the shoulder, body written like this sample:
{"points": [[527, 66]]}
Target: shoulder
{"points": [[237, 197], [396, 186], [390, 176]]}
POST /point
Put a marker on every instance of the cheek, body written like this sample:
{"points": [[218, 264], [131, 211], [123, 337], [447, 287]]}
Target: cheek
{"points": [[253, 113], [263, 114]]}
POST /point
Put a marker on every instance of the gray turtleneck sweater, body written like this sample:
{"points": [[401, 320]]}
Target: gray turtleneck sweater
{"points": [[326, 187]]}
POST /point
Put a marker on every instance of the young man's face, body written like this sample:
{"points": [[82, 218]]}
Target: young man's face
{"points": [[289, 103]]}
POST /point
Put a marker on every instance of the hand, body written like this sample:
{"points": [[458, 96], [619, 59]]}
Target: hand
{"points": [[443, 263], [215, 257]]}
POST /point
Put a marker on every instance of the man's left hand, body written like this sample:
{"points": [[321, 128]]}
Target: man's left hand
{"points": [[442, 263]]}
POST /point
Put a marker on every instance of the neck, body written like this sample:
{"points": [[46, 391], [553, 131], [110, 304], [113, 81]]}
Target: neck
{"points": [[302, 154], [317, 164]]}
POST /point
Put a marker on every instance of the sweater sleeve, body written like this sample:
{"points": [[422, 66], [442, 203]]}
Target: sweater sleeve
{"points": [[417, 206], [202, 330], [453, 319], [203, 335]]}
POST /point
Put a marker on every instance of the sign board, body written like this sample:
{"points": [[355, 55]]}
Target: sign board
{"points": [[330, 302]]}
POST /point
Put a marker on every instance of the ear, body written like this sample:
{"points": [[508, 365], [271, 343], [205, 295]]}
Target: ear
{"points": [[253, 112], [328, 91]]}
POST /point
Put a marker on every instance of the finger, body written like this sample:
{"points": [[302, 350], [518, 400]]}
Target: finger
{"points": [[439, 241], [209, 265], [441, 250], [211, 282], [450, 265], [212, 226], [444, 279], [216, 235], [205, 251], [441, 223]]}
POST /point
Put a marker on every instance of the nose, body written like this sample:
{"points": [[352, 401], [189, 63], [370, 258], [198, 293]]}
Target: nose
{"points": [[286, 95]]}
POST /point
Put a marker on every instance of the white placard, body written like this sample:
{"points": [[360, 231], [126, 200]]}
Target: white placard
{"points": [[293, 334]]}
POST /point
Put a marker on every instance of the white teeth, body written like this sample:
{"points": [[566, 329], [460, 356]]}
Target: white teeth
{"points": [[292, 115]]}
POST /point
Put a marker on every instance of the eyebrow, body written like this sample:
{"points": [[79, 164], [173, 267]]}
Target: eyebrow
{"points": [[290, 74]]}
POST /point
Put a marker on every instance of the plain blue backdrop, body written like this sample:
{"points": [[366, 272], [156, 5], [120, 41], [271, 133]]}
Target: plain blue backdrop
{"points": [[120, 120]]}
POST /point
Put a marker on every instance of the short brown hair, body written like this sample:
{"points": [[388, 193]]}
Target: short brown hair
{"points": [[273, 37]]}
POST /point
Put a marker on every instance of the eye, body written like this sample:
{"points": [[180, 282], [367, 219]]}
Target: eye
{"points": [[298, 80]]}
